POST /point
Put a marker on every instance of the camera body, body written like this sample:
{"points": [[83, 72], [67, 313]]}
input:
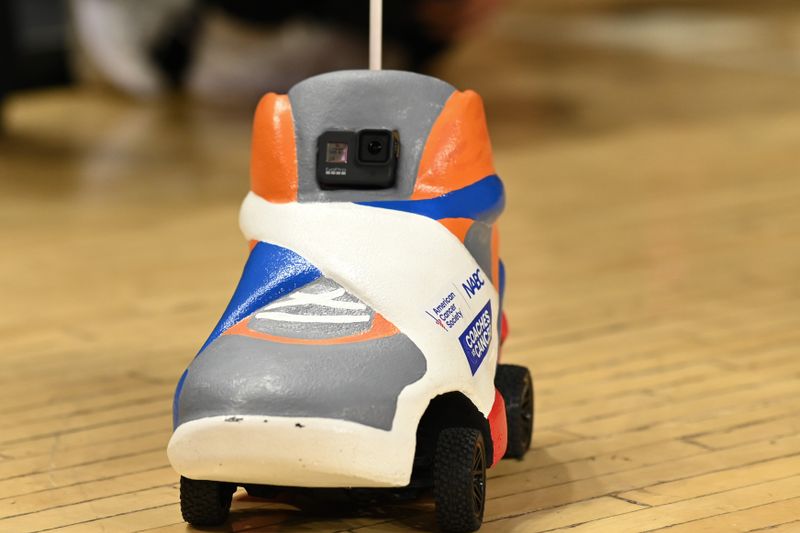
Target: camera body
{"points": [[364, 159]]}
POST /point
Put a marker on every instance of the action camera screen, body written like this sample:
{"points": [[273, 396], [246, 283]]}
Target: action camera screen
{"points": [[336, 153]]}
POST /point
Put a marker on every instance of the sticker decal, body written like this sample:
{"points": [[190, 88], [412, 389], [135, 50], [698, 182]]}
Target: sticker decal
{"points": [[447, 312], [475, 340], [454, 307], [473, 284]]}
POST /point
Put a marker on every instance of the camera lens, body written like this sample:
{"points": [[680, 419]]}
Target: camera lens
{"points": [[374, 146]]}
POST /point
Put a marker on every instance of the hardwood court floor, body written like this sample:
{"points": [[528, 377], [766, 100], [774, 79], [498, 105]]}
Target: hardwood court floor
{"points": [[652, 239]]}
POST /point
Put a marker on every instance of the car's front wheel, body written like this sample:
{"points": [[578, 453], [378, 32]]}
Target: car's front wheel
{"points": [[459, 485], [205, 503]]}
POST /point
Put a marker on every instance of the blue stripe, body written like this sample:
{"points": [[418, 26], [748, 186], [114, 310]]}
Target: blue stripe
{"points": [[502, 276], [483, 200], [271, 271]]}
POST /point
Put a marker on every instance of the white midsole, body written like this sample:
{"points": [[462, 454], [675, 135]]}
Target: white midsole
{"points": [[292, 451]]}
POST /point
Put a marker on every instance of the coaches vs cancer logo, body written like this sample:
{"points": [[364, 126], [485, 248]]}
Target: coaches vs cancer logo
{"points": [[475, 340]]}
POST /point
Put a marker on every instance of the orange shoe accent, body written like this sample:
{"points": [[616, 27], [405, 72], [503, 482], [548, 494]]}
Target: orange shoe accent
{"points": [[273, 163], [457, 226], [458, 151], [380, 328]]}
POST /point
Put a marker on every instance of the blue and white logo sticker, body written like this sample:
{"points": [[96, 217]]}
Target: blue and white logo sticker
{"points": [[450, 311], [473, 284], [475, 340]]}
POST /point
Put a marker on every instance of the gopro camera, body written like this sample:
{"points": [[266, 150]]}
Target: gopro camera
{"points": [[366, 159]]}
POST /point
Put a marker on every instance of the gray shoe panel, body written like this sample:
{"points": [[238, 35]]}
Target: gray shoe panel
{"points": [[359, 382], [364, 99], [479, 243]]}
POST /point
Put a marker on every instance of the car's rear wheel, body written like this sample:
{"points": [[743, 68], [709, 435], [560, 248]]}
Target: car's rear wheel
{"points": [[516, 386]]}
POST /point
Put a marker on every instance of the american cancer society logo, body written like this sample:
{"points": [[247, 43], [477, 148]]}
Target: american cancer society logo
{"points": [[477, 337]]}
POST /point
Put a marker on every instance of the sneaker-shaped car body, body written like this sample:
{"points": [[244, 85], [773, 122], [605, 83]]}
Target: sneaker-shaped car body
{"points": [[360, 348]]}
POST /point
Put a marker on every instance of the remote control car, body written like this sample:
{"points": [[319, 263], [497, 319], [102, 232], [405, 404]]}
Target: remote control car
{"points": [[360, 348]]}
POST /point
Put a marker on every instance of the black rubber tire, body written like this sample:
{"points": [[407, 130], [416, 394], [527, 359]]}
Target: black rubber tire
{"points": [[516, 386], [205, 503], [459, 479]]}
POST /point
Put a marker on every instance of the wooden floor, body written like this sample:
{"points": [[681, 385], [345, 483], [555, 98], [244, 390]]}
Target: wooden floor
{"points": [[652, 240]]}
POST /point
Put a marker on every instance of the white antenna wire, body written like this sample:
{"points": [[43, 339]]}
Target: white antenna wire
{"points": [[375, 30]]}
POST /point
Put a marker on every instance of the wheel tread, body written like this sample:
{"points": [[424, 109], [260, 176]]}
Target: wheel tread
{"points": [[511, 381], [452, 479], [205, 503]]}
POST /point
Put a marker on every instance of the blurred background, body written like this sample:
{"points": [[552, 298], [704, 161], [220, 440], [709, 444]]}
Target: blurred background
{"points": [[546, 68], [651, 153]]}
